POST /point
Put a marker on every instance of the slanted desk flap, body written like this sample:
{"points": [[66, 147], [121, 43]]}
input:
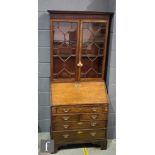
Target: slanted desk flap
{"points": [[78, 93]]}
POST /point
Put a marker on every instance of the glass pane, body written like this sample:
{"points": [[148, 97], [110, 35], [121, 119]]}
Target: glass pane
{"points": [[92, 49], [64, 50], [93, 32]]}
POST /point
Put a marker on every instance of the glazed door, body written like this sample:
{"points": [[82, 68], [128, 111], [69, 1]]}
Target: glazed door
{"points": [[92, 53], [64, 54]]}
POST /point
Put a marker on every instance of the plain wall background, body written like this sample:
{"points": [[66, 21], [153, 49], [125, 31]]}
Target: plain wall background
{"points": [[44, 56]]}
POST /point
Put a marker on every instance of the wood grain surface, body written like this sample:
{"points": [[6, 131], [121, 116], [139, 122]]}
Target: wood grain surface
{"points": [[78, 93]]}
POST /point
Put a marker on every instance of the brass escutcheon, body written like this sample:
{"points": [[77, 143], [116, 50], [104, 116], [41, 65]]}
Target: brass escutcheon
{"points": [[94, 109]]}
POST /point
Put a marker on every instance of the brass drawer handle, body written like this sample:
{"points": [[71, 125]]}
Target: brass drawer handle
{"points": [[93, 134], [66, 110], [93, 124], [79, 132], [106, 109], [66, 118], [66, 126], [94, 109], [94, 116], [79, 64], [80, 123], [66, 136]]}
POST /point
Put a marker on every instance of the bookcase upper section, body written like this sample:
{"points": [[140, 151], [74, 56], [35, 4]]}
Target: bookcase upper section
{"points": [[78, 45]]}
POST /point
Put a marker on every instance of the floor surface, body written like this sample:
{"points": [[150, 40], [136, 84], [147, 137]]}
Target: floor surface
{"points": [[111, 150]]}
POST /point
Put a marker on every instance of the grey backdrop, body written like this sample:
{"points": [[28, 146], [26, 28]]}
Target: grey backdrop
{"points": [[44, 56]]}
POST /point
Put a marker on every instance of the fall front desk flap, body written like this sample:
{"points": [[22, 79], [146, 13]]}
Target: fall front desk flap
{"points": [[78, 93]]}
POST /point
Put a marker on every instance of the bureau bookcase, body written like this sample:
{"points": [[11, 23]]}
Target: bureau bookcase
{"points": [[79, 99]]}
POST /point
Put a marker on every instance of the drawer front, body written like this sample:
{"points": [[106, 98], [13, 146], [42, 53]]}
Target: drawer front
{"points": [[92, 109], [64, 118], [79, 125], [78, 135], [68, 109], [79, 109], [102, 116]]}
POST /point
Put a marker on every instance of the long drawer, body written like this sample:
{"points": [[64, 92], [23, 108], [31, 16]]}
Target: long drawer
{"points": [[78, 135], [79, 125], [80, 109], [79, 117]]}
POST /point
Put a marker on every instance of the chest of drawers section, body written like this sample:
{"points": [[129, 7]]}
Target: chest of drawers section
{"points": [[79, 124]]}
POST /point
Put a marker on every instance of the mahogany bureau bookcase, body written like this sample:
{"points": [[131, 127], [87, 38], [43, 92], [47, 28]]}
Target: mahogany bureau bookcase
{"points": [[79, 99]]}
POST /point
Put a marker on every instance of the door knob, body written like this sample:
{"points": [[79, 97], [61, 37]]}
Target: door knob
{"points": [[79, 64]]}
